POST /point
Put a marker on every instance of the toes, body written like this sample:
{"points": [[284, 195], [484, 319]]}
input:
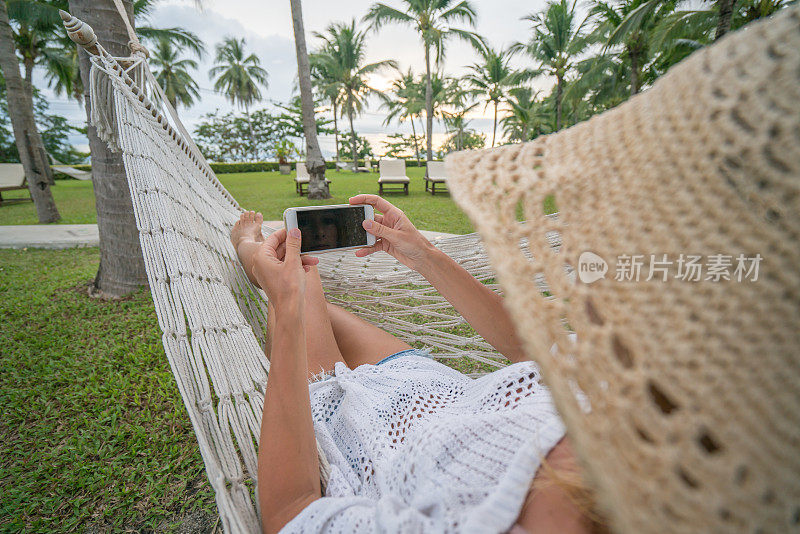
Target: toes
{"points": [[259, 217]]}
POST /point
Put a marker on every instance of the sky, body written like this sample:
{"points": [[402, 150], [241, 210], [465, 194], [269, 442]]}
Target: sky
{"points": [[267, 27]]}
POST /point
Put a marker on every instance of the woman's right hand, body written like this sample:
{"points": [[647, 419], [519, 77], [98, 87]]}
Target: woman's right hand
{"points": [[396, 234]]}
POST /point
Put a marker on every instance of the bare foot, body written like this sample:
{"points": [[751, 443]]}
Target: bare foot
{"points": [[246, 237]]}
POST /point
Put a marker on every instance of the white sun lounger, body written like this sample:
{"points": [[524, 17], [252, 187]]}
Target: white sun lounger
{"points": [[12, 177], [393, 172], [436, 174]]}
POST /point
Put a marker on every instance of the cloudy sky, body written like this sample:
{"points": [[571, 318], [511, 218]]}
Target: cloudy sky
{"points": [[267, 28]]}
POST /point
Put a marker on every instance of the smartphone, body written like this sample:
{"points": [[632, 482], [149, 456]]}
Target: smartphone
{"points": [[326, 228]]}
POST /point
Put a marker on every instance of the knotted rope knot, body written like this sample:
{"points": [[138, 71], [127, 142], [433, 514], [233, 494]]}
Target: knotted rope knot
{"points": [[138, 48], [204, 404]]}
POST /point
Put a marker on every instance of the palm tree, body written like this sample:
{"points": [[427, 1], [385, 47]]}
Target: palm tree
{"points": [[493, 77], [407, 102], [26, 133], [343, 53], [326, 82], [557, 39], [238, 75], [633, 33], [121, 268], [317, 186], [172, 74], [434, 20], [526, 118]]}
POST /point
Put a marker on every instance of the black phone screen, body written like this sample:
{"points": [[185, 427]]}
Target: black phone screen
{"points": [[324, 229]]}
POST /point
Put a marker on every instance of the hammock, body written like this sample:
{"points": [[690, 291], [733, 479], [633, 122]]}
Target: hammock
{"points": [[184, 216]]}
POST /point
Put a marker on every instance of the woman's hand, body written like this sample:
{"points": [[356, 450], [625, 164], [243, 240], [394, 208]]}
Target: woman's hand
{"points": [[279, 268], [396, 234]]}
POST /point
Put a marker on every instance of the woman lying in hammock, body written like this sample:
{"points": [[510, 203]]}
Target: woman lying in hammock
{"points": [[413, 445]]}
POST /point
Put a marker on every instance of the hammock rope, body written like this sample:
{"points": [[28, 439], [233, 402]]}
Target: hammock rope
{"points": [[213, 320]]}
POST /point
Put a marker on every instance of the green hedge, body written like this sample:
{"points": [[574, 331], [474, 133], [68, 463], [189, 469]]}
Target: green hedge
{"points": [[255, 166]]}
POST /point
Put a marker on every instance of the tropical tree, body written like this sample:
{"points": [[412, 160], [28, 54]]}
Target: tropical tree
{"points": [[326, 83], [172, 74], [493, 77], [238, 75], [26, 134], [317, 186], [121, 268], [435, 22], [343, 53], [557, 39], [634, 35], [527, 118], [405, 101]]}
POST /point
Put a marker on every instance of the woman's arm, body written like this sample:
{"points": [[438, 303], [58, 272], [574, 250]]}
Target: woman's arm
{"points": [[480, 306], [288, 466]]}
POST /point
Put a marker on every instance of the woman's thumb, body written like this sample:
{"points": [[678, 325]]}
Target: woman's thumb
{"points": [[379, 230], [293, 240]]}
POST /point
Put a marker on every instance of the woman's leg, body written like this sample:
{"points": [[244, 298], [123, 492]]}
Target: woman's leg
{"points": [[360, 342]]}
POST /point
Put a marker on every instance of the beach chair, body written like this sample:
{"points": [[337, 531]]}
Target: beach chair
{"points": [[435, 175], [393, 173], [302, 178], [12, 177], [368, 166]]}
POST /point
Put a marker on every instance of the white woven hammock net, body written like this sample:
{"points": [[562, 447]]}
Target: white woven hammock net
{"points": [[213, 319]]}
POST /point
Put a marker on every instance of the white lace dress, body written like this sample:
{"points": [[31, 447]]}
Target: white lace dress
{"points": [[415, 446]]}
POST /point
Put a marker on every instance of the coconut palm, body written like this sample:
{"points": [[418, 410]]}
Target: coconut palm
{"points": [[405, 101], [557, 39], [172, 74], [343, 53], [317, 186], [493, 77], [325, 80], [435, 21], [633, 34], [121, 268], [238, 76], [20, 110], [527, 118]]}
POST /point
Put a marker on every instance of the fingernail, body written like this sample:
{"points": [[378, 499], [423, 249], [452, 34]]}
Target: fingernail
{"points": [[367, 224], [294, 232]]}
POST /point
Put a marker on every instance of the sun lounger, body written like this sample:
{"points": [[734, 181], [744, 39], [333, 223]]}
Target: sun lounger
{"points": [[393, 173], [12, 177], [435, 175]]}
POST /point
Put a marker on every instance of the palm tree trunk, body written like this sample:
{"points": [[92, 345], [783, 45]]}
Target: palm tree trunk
{"points": [[525, 132], [428, 102], [20, 109], [121, 269], [725, 14], [253, 148], [416, 145], [559, 95], [353, 140], [317, 186], [36, 144], [494, 127], [335, 131]]}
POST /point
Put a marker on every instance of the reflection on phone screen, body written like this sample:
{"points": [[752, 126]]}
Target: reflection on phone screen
{"points": [[325, 229]]}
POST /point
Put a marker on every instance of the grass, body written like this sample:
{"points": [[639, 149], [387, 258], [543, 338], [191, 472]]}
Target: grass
{"points": [[270, 193], [94, 433]]}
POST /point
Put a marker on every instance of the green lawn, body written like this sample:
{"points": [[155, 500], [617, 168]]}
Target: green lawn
{"points": [[270, 193], [94, 434]]}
